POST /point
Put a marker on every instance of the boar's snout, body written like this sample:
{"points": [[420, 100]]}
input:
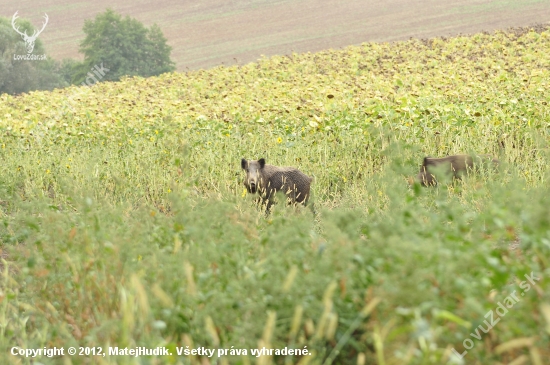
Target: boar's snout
{"points": [[425, 179], [253, 174], [251, 184], [252, 187]]}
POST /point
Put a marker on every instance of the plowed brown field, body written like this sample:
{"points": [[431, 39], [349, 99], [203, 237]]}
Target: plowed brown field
{"points": [[211, 32]]}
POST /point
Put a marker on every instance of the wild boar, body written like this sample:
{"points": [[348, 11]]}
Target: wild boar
{"points": [[455, 166], [267, 180]]}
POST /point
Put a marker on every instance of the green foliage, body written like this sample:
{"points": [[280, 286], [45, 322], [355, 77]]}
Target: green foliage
{"points": [[125, 221], [68, 68], [19, 76], [124, 46]]}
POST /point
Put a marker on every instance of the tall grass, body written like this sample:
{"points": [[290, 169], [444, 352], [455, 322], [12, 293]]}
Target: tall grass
{"points": [[129, 226]]}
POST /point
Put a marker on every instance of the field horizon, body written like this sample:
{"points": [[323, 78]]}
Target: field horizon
{"points": [[215, 32]]}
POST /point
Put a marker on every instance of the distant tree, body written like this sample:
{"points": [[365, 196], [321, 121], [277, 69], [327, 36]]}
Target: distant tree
{"points": [[68, 68], [18, 75], [124, 46]]}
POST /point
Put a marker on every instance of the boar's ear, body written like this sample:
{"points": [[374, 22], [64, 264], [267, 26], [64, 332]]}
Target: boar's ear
{"points": [[262, 162], [425, 162], [244, 163]]}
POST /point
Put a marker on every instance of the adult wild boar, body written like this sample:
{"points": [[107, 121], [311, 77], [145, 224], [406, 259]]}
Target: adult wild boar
{"points": [[455, 166], [267, 180]]}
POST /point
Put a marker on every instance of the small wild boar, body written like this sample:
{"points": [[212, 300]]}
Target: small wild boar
{"points": [[455, 166], [267, 180]]}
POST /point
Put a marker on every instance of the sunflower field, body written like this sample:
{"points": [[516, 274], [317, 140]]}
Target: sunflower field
{"points": [[125, 223]]}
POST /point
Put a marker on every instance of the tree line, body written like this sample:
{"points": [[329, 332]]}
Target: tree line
{"points": [[114, 46]]}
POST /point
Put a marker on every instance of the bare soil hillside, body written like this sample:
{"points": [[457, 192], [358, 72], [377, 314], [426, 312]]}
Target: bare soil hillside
{"points": [[211, 32]]}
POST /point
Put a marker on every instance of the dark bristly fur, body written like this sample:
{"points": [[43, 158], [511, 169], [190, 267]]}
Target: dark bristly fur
{"points": [[455, 166], [267, 180]]}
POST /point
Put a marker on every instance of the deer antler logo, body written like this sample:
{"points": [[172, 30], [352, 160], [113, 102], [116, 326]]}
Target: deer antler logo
{"points": [[29, 40]]}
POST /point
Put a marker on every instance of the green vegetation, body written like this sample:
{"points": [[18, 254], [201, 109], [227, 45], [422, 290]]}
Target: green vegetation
{"points": [[125, 46], [18, 76], [125, 222]]}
